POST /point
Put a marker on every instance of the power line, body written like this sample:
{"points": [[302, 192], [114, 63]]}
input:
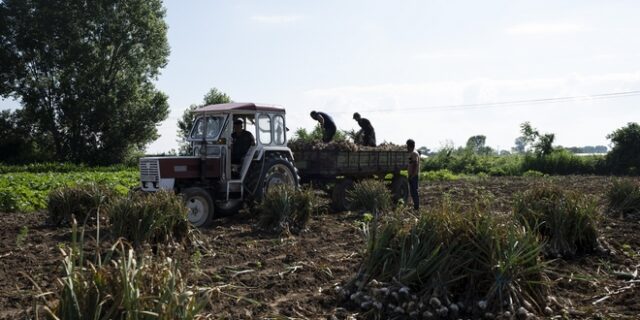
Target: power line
{"points": [[455, 107]]}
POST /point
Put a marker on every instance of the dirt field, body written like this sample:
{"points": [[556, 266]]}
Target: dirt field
{"points": [[262, 276]]}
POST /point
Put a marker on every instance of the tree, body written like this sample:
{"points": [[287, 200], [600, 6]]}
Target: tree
{"points": [[624, 157], [476, 144], [520, 145], [83, 73], [16, 144], [424, 150], [542, 144], [214, 96]]}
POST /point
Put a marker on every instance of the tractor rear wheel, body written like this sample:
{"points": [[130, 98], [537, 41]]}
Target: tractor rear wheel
{"points": [[200, 206], [273, 171]]}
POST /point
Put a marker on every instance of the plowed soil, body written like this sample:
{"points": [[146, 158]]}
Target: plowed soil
{"points": [[259, 275]]}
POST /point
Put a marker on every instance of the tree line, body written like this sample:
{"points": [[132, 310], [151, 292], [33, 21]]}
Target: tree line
{"points": [[83, 73], [537, 151]]}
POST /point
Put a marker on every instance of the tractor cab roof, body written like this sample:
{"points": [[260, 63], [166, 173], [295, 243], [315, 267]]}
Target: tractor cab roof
{"points": [[239, 106]]}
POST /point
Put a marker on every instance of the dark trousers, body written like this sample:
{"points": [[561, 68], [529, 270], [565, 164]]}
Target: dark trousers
{"points": [[413, 189], [369, 140], [328, 133]]}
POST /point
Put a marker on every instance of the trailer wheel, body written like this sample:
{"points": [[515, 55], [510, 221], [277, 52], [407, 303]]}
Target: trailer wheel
{"points": [[200, 206], [276, 170], [339, 199], [400, 188]]}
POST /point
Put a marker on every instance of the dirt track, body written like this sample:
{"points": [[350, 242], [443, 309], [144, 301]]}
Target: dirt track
{"points": [[260, 275]]}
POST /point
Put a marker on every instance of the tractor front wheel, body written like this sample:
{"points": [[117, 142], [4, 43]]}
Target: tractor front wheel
{"points": [[200, 206]]}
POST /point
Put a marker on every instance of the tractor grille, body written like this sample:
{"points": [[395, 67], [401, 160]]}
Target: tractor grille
{"points": [[149, 170]]}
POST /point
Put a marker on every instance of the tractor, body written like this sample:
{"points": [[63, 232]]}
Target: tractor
{"points": [[209, 181]]}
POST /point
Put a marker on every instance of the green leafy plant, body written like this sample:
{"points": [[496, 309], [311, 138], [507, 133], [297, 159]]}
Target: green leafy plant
{"points": [[153, 218], [623, 197], [26, 191], [566, 220], [8, 200]]}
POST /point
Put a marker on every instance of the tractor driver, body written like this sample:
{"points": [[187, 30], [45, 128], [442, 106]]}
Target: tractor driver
{"points": [[242, 140]]}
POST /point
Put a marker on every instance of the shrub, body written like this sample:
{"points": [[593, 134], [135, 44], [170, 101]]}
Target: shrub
{"points": [[439, 175], [566, 220], [623, 197], [533, 174], [563, 162], [80, 202], [285, 209], [370, 195], [150, 218], [451, 255], [128, 287], [624, 157]]}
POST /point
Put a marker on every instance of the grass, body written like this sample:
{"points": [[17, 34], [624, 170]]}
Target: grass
{"points": [[454, 255], [370, 195], [130, 286], [79, 202], [154, 218], [566, 220], [123, 284], [285, 209], [623, 197]]}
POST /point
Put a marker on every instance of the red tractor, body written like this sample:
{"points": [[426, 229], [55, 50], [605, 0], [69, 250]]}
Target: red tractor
{"points": [[213, 181]]}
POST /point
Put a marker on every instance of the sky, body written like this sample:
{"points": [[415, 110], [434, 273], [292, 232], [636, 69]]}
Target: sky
{"points": [[416, 69]]}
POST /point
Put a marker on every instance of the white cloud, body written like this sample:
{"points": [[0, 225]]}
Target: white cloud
{"points": [[443, 55], [545, 29], [276, 19]]}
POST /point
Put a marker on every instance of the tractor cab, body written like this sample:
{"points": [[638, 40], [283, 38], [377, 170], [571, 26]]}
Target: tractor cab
{"points": [[258, 128]]}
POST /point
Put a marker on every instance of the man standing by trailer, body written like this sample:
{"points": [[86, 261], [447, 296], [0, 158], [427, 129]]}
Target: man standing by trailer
{"points": [[414, 172], [366, 129], [327, 124]]}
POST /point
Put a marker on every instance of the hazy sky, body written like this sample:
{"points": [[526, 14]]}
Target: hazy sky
{"points": [[402, 64]]}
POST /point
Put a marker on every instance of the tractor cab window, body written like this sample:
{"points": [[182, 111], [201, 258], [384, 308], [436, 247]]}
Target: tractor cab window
{"points": [[264, 128], [213, 126], [279, 129]]}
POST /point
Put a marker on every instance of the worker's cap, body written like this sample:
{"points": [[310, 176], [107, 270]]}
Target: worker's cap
{"points": [[238, 121], [356, 115]]}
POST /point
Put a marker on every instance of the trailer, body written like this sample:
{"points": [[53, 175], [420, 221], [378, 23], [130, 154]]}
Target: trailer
{"points": [[340, 169], [212, 184]]}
